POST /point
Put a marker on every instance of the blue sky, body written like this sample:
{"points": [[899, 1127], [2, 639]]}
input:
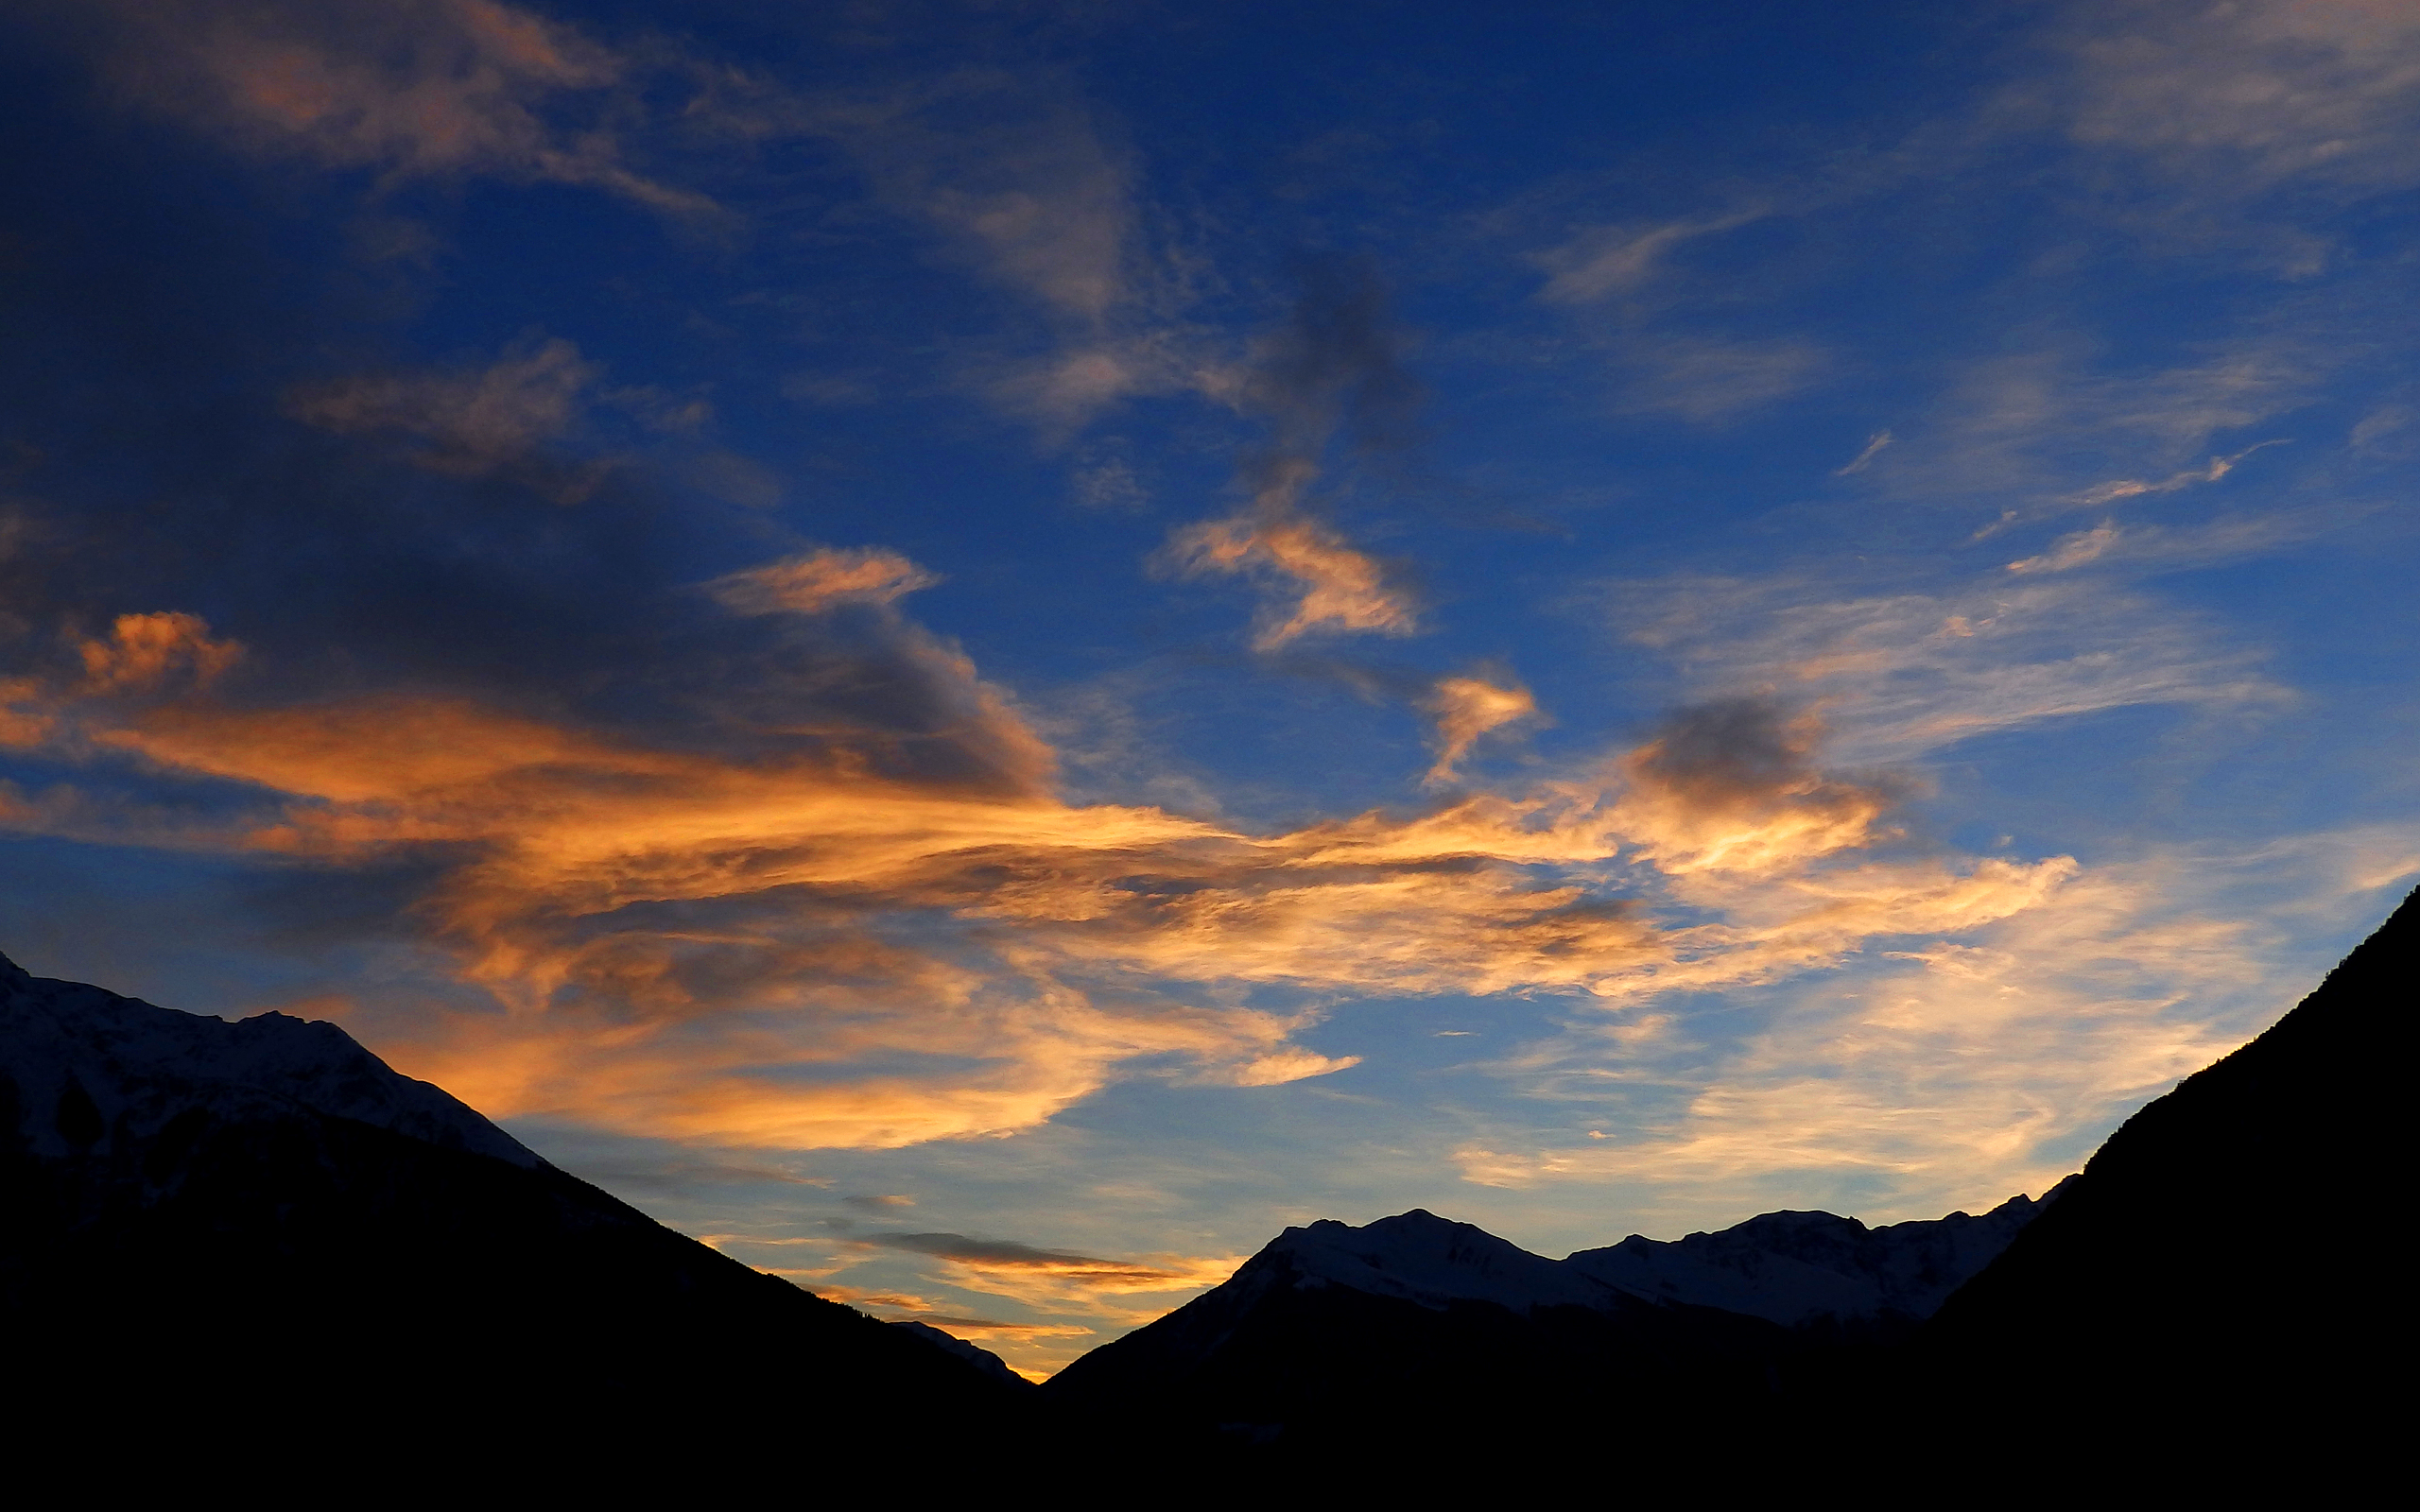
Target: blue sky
{"points": [[985, 651]]}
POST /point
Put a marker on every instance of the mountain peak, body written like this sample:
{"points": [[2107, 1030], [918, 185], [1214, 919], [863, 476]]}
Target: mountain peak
{"points": [[138, 1065], [1422, 1258]]}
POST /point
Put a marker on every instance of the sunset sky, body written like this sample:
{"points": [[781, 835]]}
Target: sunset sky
{"points": [[983, 651]]}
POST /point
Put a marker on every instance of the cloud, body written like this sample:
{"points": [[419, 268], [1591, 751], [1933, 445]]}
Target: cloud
{"points": [[1163, 1274], [1022, 179], [1467, 708], [417, 88], [1341, 589], [1730, 785], [1026, 186], [1901, 674], [1115, 1295], [880, 1202], [467, 422], [2217, 468], [143, 651], [1873, 446], [2040, 432], [1706, 379], [2109, 544], [1611, 259], [850, 917], [822, 580], [2261, 93], [1335, 366], [1950, 1074]]}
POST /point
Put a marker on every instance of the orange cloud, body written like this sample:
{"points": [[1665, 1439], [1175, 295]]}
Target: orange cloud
{"points": [[420, 87], [1731, 786], [822, 580], [145, 650], [1340, 589], [1467, 708], [723, 943]]}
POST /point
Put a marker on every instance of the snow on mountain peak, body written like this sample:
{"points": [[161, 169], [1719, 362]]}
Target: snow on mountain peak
{"points": [[1795, 1268], [1790, 1267], [1422, 1258], [87, 1065]]}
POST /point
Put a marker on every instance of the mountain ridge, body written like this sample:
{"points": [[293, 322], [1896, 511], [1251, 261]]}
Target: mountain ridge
{"points": [[178, 1211]]}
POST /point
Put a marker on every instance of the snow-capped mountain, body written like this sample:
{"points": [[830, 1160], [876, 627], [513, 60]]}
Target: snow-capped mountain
{"points": [[1791, 1269], [200, 1219], [1383, 1330], [1430, 1261], [119, 1069], [1796, 1268]]}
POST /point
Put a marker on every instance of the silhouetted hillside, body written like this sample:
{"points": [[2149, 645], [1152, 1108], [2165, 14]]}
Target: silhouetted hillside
{"points": [[1432, 1343], [213, 1227], [216, 1229], [2198, 1286]]}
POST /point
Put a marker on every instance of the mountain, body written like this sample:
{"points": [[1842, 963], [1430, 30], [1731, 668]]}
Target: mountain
{"points": [[1802, 1269], [219, 1230], [2216, 1283], [974, 1355], [1419, 1333]]}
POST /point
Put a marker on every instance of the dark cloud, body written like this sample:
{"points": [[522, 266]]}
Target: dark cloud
{"points": [[946, 1320], [1733, 749], [999, 1254], [1338, 363], [1005, 1255]]}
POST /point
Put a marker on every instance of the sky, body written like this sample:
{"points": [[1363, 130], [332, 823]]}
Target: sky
{"points": [[984, 651]]}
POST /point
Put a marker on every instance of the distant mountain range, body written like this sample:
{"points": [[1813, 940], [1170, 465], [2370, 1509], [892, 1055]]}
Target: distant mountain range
{"points": [[1344, 1333], [228, 1229]]}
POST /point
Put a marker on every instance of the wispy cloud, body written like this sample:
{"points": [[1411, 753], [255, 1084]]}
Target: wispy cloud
{"points": [[1341, 589], [1467, 708], [1336, 364], [412, 88], [1607, 261], [820, 581], [2211, 472], [1160, 1273], [470, 422], [1025, 184], [2156, 547], [1900, 673], [851, 931], [1873, 446], [1950, 1074], [1708, 380], [2263, 92]]}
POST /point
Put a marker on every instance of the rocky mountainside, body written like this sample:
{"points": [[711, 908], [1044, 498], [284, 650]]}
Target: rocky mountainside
{"points": [[262, 1219]]}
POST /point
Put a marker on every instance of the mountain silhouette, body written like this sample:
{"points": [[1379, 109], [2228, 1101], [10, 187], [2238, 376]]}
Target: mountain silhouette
{"points": [[217, 1230], [253, 1248], [1421, 1340], [2195, 1296]]}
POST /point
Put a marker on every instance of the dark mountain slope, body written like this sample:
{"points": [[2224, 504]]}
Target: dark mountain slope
{"points": [[1285, 1366], [211, 1224], [1433, 1345], [2198, 1283]]}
